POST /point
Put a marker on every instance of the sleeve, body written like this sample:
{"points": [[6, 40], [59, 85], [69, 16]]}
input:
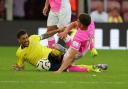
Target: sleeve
{"points": [[20, 59], [35, 38], [91, 33], [75, 45], [92, 25]]}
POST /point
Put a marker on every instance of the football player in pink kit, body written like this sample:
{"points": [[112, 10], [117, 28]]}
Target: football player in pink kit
{"points": [[82, 41], [59, 16]]}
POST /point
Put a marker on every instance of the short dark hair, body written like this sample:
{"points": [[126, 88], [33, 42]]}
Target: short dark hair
{"points": [[85, 19], [20, 33]]}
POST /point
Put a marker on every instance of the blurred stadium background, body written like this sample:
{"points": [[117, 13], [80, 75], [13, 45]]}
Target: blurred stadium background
{"points": [[27, 14], [111, 40]]}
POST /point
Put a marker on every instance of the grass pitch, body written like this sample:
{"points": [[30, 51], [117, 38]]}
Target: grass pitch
{"points": [[116, 77]]}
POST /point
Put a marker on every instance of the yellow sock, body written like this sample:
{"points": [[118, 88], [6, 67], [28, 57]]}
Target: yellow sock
{"points": [[90, 67]]}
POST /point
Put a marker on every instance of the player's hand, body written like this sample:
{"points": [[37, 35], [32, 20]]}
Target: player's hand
{"points": [[17, 68], [62, 35], [94, 52], [44, 11]]}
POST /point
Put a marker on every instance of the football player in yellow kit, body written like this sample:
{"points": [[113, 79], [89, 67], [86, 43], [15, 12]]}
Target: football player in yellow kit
{"points": [[32, 51]]}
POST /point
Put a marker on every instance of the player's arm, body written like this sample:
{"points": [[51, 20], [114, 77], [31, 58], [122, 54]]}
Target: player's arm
{"points": [[20, 63], [93, 49], [72, 25], [51, 33], [45, 9], [62, 35], [68, 59]]}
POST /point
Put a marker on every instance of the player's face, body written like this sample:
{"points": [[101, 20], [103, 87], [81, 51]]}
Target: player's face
{"points": [[23, 40]]}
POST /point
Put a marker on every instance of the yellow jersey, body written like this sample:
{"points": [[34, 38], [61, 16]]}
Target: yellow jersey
{"points": [[33, 53]]}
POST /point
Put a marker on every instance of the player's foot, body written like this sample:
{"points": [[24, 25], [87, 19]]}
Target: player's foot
{"points": [[60, 48], [100, 67]]}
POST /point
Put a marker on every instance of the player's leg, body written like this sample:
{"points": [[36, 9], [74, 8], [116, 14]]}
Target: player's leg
{"points": [[89, 67], [55, 61], [57, 20], [51, 40], [95, 68], [60, 48], [68, 41], [76, 68], [64, 19], [83, 68], [51, 25]]}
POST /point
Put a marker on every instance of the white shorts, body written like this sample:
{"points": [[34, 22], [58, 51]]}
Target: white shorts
{"points": [[61, 18]]}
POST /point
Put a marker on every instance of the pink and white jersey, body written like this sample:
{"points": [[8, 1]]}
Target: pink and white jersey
{"points": [[57, 5], [83, 39]]}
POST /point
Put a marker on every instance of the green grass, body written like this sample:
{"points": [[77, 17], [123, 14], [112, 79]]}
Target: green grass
{"points": [[116, 77]]}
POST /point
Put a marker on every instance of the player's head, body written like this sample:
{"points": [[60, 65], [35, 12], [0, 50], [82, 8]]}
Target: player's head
{"points": [[22, 37], [84, 20]]}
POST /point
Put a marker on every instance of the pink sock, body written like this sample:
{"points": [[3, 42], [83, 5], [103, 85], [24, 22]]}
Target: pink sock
{"points": [[77, 69], [51, 42]]}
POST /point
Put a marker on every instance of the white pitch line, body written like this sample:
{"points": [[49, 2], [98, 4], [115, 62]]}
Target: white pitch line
{"points": [[61, 82]]}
